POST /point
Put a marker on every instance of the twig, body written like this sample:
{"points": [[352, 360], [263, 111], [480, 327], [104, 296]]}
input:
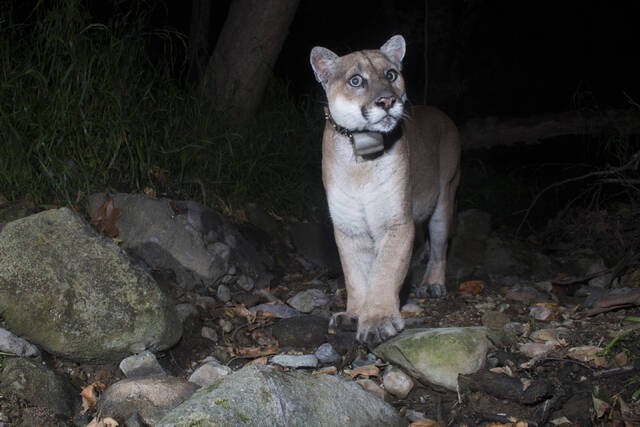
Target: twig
{"points": [[631, 164], [614, 372]]}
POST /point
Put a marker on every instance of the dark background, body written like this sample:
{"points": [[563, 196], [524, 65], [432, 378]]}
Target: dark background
{"points": [[515, 57]]}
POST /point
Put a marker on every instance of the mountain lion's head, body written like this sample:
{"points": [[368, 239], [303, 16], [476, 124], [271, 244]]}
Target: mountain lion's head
{"points": [[365, 89]]}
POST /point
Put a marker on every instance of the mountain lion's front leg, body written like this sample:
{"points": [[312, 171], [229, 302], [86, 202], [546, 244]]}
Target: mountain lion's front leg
{"points": [[356, 255], [380, 316]]}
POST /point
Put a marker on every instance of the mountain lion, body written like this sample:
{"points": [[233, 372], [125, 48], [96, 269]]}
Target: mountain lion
{"points": [[379, 178]]}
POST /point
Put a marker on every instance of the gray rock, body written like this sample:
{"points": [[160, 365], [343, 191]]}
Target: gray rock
{"points": [[437, 355], [87, 301], [397, 382], [263, 395], [295, 361], [39, 385], [150, 397], [316, 244], [143, 364], [326, 354], [199, 244], [540, 312], [494, 319], [280, 311], [209, 373], [306, 332], [9, 343], [223, 293], [186, 310], [307, 301]]}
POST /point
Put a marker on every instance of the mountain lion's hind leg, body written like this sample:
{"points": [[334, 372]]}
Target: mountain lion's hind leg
{"points": [[433, 283]]}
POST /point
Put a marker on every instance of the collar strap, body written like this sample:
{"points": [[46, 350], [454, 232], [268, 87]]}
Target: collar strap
{"points": [[343, 131]]}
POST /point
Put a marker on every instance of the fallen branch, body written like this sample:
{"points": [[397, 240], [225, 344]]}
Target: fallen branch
{"points": [[614, 302], [632, 164]]}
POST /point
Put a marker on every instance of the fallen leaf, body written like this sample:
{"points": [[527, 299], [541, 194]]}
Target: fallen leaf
{"points": [[242, 311], [329, 370], [259, 361], [105, 217], [90, 395], [256, 351], [105, 422], [425, 423], [600, 406], [583, 353], [368, 370], [502, 370], [560, 421], [472, 286], [263, 338]]}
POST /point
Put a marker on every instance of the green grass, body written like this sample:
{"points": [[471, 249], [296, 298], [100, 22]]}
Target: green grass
{"points": [[85, 108]]}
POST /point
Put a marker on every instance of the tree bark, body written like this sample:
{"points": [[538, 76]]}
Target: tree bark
{"points": [[198, 50], [491, 131], [246, 51]]}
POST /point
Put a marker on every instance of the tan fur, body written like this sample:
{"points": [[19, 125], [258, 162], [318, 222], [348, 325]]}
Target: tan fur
{"points": [[374, 201]]}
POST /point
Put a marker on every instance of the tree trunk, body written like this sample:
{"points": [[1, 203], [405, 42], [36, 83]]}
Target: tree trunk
{"points": [[198, 38], [246, 51], [492, 131]]}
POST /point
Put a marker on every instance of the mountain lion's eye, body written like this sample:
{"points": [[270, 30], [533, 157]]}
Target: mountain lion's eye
{"points": [[392, 75], [356, 80]]}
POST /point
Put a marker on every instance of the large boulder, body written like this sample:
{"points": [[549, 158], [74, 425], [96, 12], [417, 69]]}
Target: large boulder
{"points": [[266, 396], [77, 294], [39, 385], [199, 244], [438, 355]]}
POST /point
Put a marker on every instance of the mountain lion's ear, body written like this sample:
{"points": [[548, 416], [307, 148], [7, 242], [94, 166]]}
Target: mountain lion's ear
{"points": [[395, 49], [322, 61]]}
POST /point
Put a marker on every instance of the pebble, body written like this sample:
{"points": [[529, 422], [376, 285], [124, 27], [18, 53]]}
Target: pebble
{"points": [[281, 311], [397, 382], [295, 361], [143, 364], [532, 349], [326, 354], [209, 373], [223, 293], [540, 312], [209, 333], [307, 301], [245, 282], [495, 319], [9, 343]]}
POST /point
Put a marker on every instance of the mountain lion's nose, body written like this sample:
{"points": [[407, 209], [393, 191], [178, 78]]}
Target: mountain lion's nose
{"points": [[386, 102]]}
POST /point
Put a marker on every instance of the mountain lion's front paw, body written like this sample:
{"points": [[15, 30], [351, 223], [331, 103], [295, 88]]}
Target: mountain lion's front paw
{"points": [[434, 290], [343, 321], [373, 331]]}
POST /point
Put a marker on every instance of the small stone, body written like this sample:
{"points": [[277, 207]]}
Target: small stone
{"points": [[246, 298], [209, 373], [532, 349], [494, 319], [226, 325], [307, 301], [245, 282], [397, 382], [373, 388], [514, 328], [223, 293], [540, 312], [411, 309], [209, 333], [295, 361], [281, 311], [9, 343], [413, 415], [143, 364], [185, 311], [326, 354]]}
